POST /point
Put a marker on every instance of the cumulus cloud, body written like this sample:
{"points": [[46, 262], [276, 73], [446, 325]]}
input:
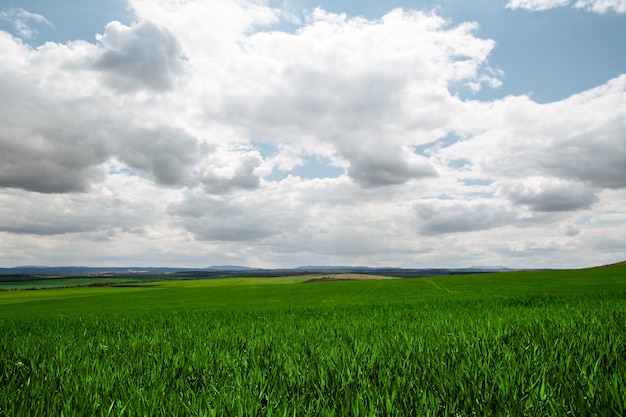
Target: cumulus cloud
{"points": [[436, 216], [579, 138], [596, 6], [221, 221], [236, 217], [162, 152], [136, 57], [57, 131], [549, 194], [320, 88], [121, 203], [44, 147], [225, 170], [376, 169], [124, 140], [366, 89]]}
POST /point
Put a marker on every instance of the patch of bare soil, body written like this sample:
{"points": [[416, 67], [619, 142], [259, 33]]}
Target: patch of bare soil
{"points": [[347, 277], [326, 279], [135, 285]]}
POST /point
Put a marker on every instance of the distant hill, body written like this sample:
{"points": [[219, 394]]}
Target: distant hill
{"points": [[228, 268], [239, 270], [84, 270], [399, 272]]}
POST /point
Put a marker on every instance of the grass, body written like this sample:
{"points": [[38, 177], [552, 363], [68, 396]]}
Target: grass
{"points": [[53, 282], [526, 343]]}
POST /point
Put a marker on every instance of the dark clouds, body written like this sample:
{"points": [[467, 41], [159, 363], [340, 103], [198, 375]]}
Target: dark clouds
{"points": [[596, 157], [443, 216], [46, 145], [382, 169], [163, 153], [101, 210], [541, 194], [236, 218], [43, 176]]}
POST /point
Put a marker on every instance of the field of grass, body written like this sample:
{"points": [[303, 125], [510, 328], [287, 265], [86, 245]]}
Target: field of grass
{"points": [[51, 282], [530, 343]]}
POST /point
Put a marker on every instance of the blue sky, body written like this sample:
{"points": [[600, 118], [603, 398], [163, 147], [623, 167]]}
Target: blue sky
{"points": [[551, 54], [281, 133]]}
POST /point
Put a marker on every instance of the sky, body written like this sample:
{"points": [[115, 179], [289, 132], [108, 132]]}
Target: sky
{"points": [[274, 134]]}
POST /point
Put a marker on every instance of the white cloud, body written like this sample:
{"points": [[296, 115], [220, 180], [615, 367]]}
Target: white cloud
{"points": [[223, 170], [24, 21], [366, 88], [579, 138], [153, 144], [596, 6], [58, 127], [602, 6], [536, 5]]}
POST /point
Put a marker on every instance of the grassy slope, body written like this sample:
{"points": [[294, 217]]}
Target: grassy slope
{"points": [[249, 294], [524, 343]]}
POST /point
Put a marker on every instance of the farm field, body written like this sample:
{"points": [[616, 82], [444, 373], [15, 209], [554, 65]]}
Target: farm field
{"points": [[62, 282], [530, 343]]}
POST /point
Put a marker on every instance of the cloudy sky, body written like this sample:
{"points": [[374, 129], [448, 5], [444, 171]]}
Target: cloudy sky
{"points": [[275, 133]]}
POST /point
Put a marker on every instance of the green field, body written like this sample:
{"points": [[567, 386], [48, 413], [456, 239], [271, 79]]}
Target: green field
{"points": [[54, 282], [530, 343]]}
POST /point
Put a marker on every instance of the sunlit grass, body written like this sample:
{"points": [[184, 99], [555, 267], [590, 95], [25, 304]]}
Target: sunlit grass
{"points": [[529, 343]]}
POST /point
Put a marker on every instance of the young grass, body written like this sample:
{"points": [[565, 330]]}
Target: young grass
{"points": [[517, 344]]}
